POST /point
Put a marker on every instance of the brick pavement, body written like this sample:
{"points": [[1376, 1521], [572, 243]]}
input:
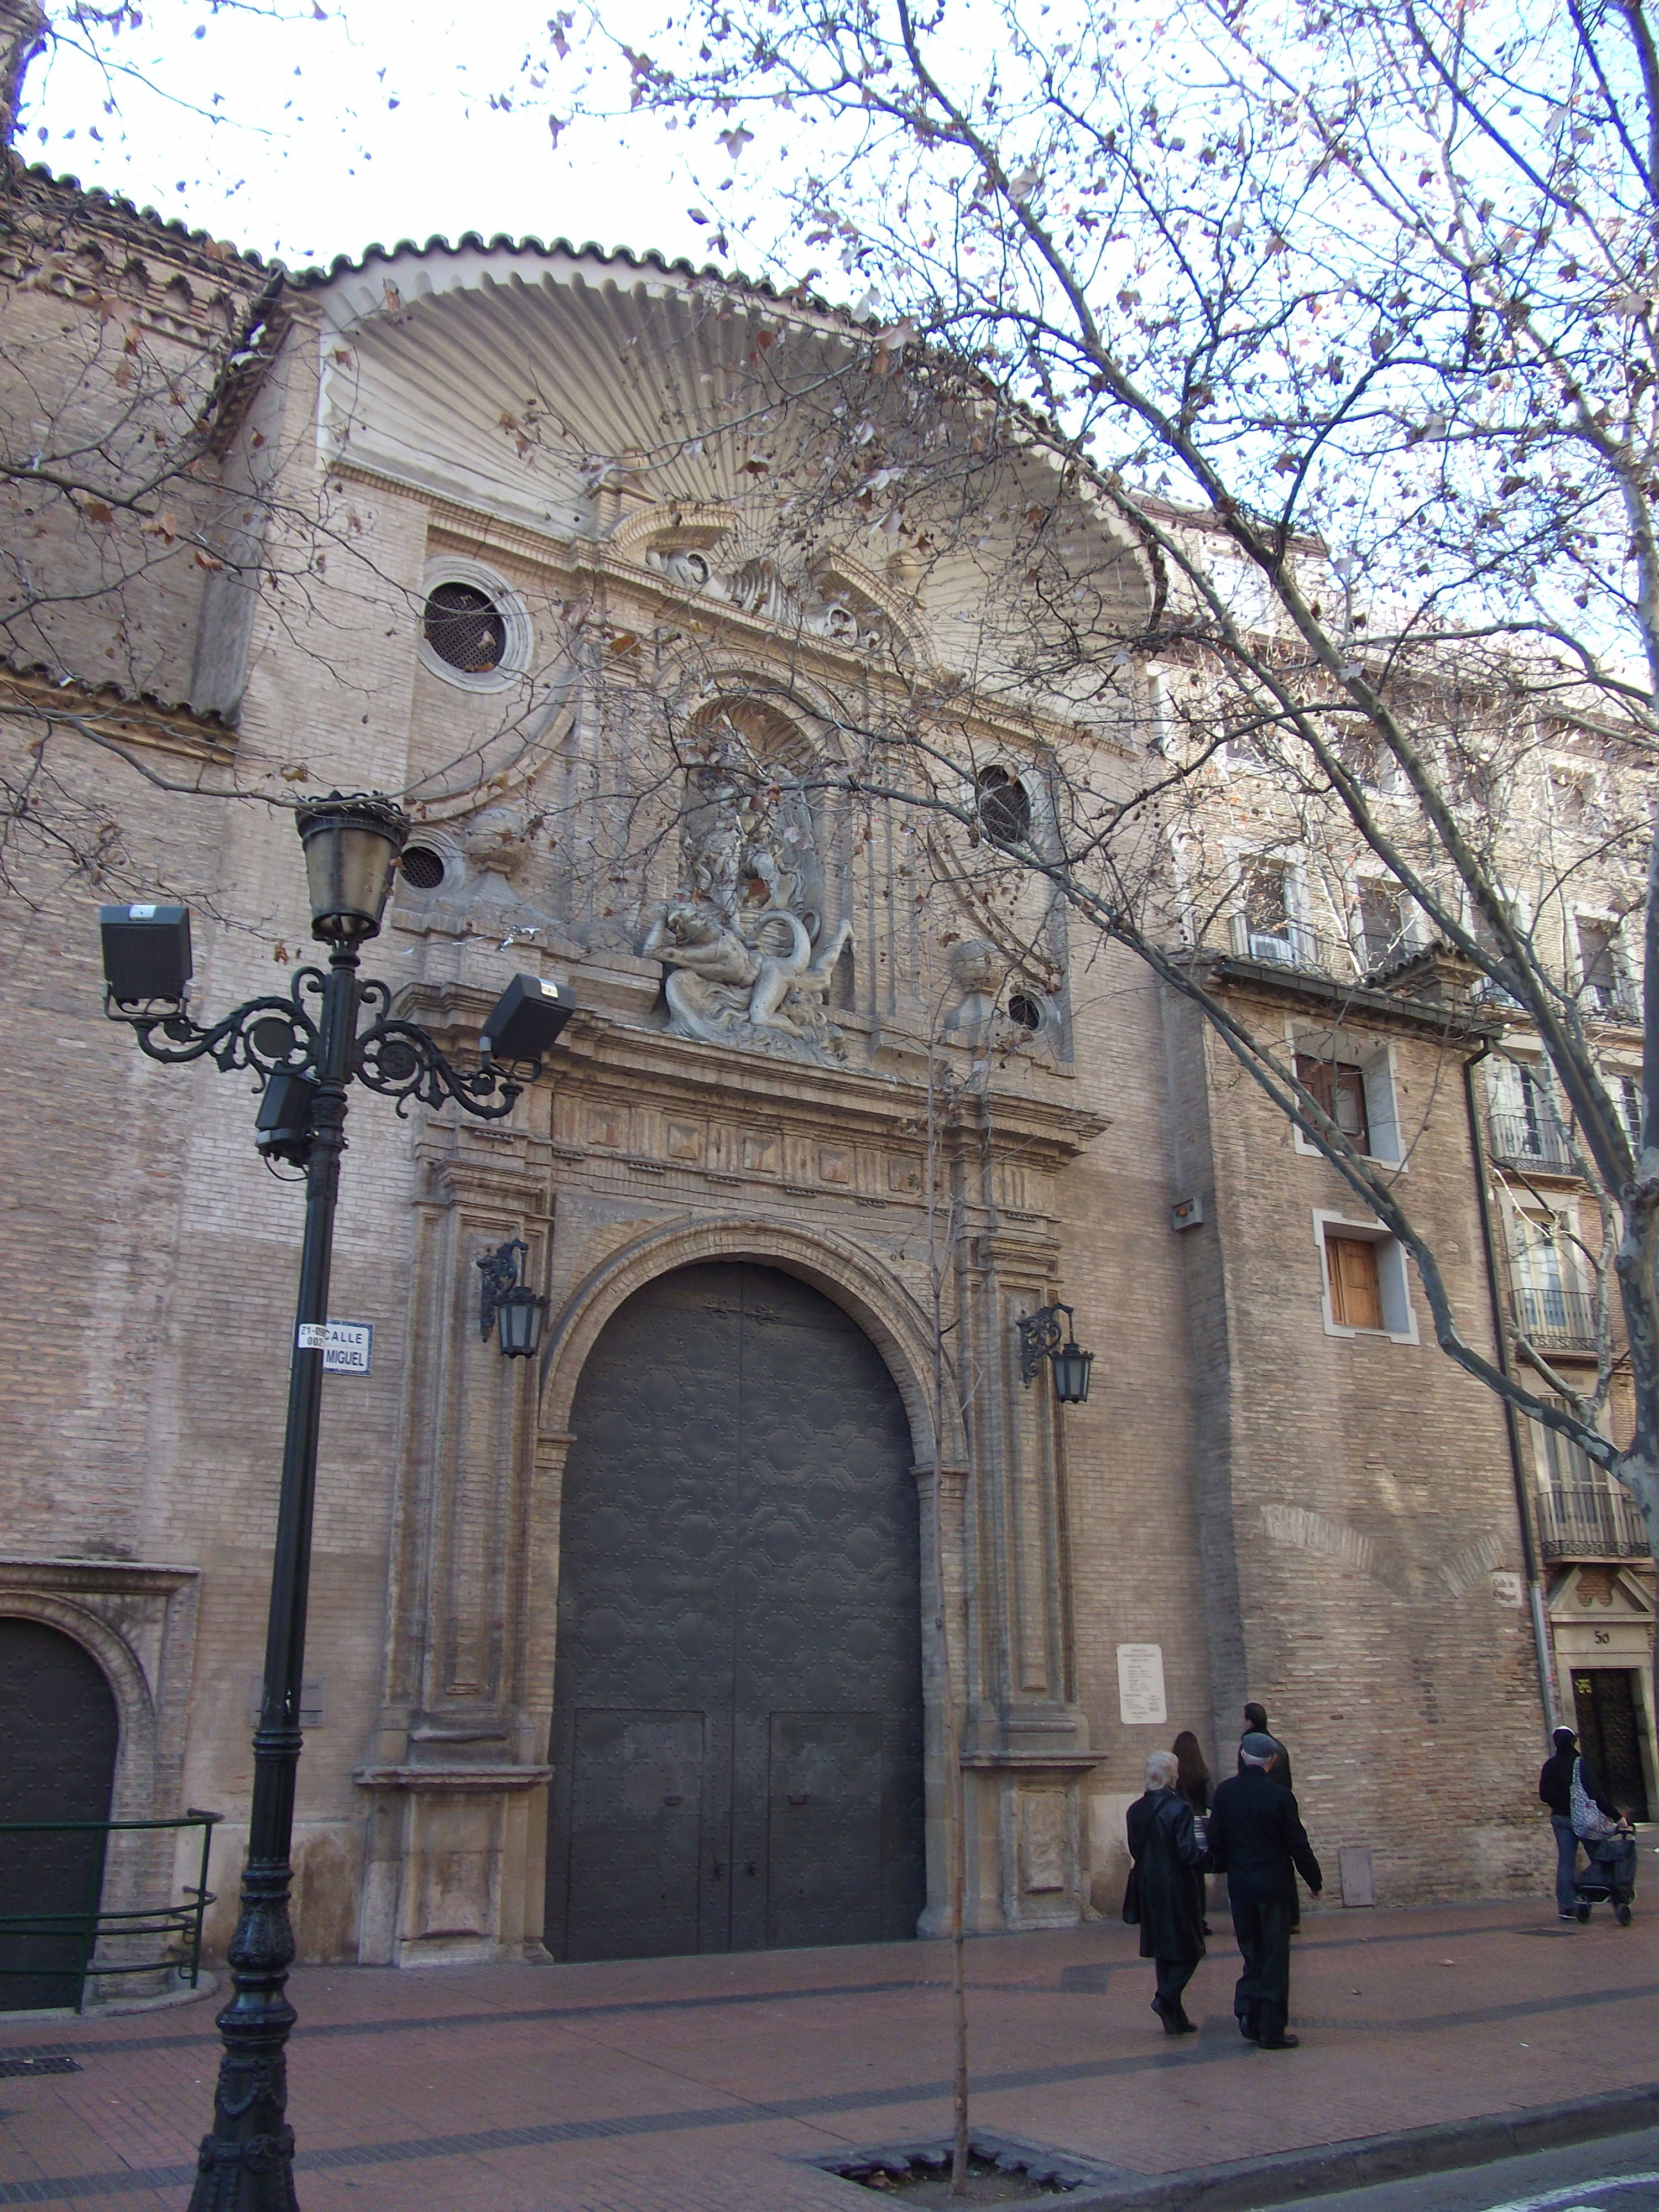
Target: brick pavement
{"points": [[683, 2085]]}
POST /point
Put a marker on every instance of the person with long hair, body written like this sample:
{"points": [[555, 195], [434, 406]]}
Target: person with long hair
{"points": [[1192, 1780], [1193, 1783]]}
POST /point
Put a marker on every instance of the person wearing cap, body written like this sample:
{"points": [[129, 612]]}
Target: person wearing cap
{"points": [[1258, 1841], [1255, 1723], [1555, 1790]]}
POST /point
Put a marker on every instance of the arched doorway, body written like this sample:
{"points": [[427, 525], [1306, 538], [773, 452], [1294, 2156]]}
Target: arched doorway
{"points": [[58, 1737], [738, 1716]]}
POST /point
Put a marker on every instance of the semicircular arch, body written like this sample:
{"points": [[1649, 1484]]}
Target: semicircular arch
{"points": [[888, 1313]]}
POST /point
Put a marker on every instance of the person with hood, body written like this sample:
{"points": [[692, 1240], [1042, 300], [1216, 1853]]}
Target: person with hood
{"points": [[1164, 1896], [1258, 1841], [1555, 1790]]}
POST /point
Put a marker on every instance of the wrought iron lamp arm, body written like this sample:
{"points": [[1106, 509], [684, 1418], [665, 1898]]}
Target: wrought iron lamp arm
{"points": [[271, 1037], [1040, 1337]]}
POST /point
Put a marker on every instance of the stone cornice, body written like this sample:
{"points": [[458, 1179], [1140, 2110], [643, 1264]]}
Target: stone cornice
{"points": [[474, 1778], [1453, 1024], [681, 1073], [60, 1573]]}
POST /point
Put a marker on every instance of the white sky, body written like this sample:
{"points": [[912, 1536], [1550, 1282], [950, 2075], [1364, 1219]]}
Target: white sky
{"points": [[310, 157]]}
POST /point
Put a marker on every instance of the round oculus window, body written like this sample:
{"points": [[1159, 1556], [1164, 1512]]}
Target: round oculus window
{"points": [[422, 867], [1024, 1012], [466, 627]]}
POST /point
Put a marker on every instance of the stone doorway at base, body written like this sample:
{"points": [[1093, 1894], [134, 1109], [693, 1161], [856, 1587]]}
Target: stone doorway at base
{"points": [[738, 1717]]}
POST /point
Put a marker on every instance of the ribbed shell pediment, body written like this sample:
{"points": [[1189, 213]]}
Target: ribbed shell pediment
{"points": [[525, 384]]}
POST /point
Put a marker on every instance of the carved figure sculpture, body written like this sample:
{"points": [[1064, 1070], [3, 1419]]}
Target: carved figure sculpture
{"points": [[748, 959]]}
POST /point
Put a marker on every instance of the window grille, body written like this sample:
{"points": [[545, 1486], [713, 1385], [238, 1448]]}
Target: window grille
{"points": [[465, 627]]}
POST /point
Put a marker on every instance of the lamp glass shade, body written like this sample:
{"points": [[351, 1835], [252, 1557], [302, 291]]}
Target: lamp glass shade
{"points": [[1072, 1366], [519, 1314], [351, 848]]}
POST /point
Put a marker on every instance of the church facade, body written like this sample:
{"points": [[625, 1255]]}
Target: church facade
{"points": [[668, 1640]]}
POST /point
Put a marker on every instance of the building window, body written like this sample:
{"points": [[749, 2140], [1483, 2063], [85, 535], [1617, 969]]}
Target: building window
{"points": [[1355, 1289], [1381, 926], [1602, 985], [1551, 1306], [1351, 1076], [1005, 805], [1582, 1513], [1569, 796], [1365, 1291], [1266, 901], [474, 629], [1626, 1091], [1339, 1087], [1525, 1127], [422, 867], [464, 627]]}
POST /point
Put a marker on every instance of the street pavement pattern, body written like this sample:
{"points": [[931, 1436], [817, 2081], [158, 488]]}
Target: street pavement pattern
{"points": [[687, 2084]]}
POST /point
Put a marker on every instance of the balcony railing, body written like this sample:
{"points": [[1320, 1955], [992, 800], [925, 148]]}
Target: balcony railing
{"points": [[1612, 1002], [1531, 1141], [1590, 1520], [1556, 1320]]}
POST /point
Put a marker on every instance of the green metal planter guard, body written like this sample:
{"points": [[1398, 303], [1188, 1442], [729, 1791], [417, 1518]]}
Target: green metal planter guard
{"points": [[177, 1927]]}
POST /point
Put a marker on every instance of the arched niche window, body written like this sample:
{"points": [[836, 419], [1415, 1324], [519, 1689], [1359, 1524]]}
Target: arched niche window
{"points": [[1004, 806]]}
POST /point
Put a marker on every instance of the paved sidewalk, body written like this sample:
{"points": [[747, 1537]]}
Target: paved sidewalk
{"points": [[683, 2085]]}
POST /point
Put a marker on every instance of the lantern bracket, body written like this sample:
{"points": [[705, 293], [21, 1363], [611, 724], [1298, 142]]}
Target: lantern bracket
{"points": [[1040, 1337], [503, 1272]]}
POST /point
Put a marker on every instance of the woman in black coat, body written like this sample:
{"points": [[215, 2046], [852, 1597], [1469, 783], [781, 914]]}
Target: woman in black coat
{"points": [[1164, 1897]]}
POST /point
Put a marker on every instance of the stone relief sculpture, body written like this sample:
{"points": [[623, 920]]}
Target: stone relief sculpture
{"points": [[759, 588], [980, 971], [748, 960]]}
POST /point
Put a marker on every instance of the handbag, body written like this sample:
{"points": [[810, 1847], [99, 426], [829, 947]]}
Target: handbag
{"points": [[1590, 1823]]}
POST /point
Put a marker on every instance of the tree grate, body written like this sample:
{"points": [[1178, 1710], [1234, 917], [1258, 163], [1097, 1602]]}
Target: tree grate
{"points": [[55, 2063], [1000, 2171]]}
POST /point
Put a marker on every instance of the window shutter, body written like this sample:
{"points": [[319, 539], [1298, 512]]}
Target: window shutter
{"points": [[1339, 1088], [1355, 1291]]}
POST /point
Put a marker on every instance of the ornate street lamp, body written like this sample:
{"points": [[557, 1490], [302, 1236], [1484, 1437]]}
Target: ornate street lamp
{"points": [[1040, 1339], [304, 1051], [508, 1303]]}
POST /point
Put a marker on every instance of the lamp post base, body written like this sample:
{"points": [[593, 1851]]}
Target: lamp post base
{"points": [[246, 2163], [254, 2176]]}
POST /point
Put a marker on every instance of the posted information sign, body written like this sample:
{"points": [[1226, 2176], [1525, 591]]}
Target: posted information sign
{"points": [[347, 1346], [1140, 1685]]}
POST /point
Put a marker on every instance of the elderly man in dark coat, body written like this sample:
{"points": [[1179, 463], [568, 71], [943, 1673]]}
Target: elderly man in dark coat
{"points": [[1258, 1841], [1165, 1896]]}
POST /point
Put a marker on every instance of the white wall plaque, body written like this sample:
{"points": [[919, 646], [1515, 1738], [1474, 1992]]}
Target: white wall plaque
{"points": [[347, 1346], [1141, 1686]]}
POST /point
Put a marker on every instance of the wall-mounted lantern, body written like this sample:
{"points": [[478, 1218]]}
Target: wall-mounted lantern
{"points": [[507, 1303], [1041, 1338]]}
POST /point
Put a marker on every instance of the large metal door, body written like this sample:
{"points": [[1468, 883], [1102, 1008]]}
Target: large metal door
{"points": [[1609, 1734], [737, 1734], [59, 1736]]}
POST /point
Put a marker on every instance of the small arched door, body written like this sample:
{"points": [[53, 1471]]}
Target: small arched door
{"points": [[738, 1722], [58, 1736]]}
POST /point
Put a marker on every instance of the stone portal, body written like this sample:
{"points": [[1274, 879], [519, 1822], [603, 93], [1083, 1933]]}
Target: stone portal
{"points": [[738, 1726]]}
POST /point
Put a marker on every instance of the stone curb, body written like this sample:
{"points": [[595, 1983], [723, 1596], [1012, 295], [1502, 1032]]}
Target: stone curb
{"points": [[1283, 2177]]}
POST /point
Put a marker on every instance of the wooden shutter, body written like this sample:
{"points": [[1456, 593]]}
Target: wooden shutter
{"points": [[1339, 1087], [1356, 1292]]}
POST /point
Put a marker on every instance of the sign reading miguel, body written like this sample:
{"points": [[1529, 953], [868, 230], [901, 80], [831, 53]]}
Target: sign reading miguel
{"points": [[347, 1346]]}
